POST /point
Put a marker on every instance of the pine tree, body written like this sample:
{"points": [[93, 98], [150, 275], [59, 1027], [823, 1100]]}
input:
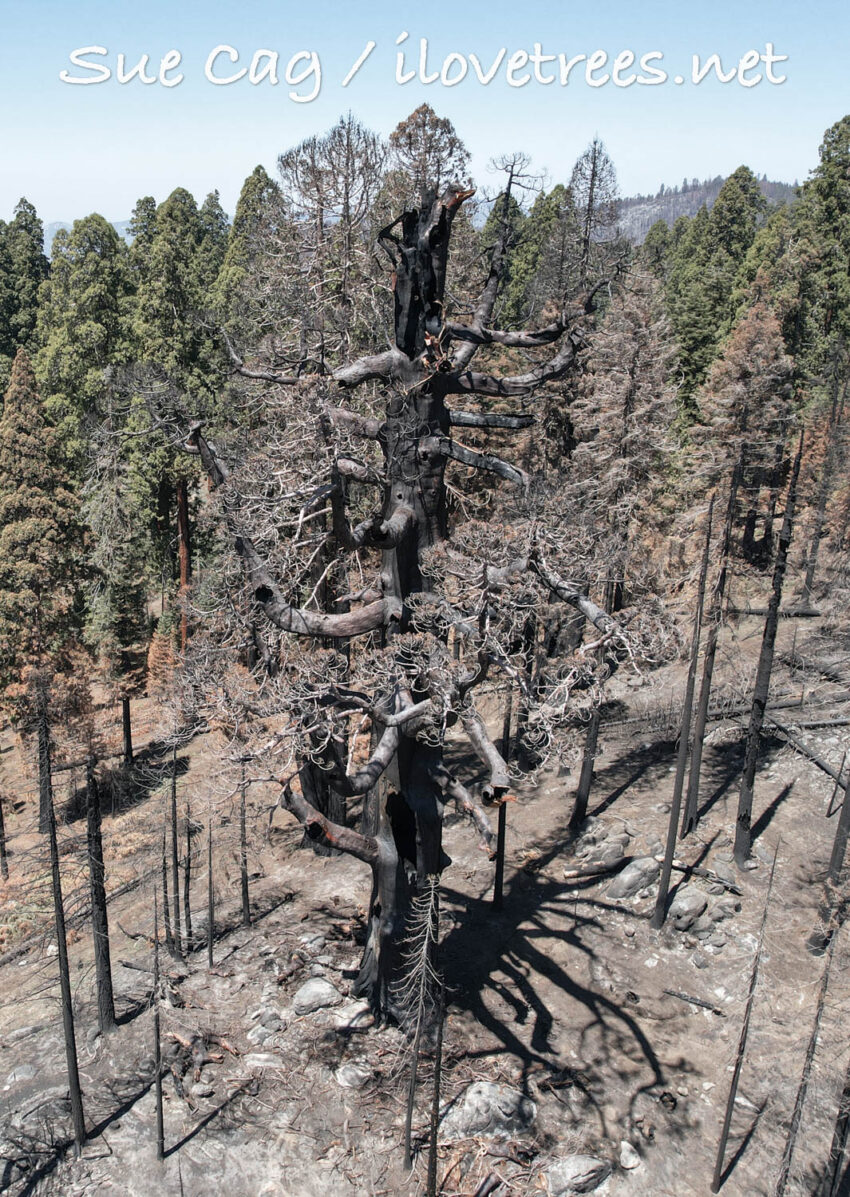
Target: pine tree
{"points": [[39, 545], [82, 328], [25, 242]]}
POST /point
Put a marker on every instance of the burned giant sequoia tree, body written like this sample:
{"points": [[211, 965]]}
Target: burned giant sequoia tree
{"points": [[402, 629]]}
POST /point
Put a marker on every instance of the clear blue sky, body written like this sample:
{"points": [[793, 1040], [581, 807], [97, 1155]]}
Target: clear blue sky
{"points": [[75, 149]]}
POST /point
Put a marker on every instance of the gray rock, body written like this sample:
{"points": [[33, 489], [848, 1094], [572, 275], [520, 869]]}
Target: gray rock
{"points": [[202, 1090], [687, 906], [577, 1174], [353, 1076], [489, 1110], [725, 870], [629, 1158], [636, 876], [261, 1060], [315, 994], [23, 1072], [258, 1035], [699, 961]]}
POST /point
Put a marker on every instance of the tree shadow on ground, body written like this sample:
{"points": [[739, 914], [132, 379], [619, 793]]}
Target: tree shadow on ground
{"points": [[502, 954], [124, 787]]}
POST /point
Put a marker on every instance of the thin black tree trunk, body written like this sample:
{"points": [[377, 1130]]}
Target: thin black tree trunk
{"points": [[187, 881], [803, 1087], [166, 916], [718, 1177], [175, 865], [715, 617], [501, 826], [660, 912], [830, 1185], [127, 730], [434, 1130], [824, 932], [157, 1043], [210, 895], [99, 918], [820, 516], [45, 781], [585, 779], [743, 829], [243, 848], [76, 1094], [4, 861]]}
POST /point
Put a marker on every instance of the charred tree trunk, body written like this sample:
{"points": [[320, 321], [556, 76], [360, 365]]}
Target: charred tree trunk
{"points": [[4, 861], [210, 895], [585, 780], [715, 616], [184, 553], [824, 932], [76, 1093], [166, 916], [718, 1177], [157, 1039], [820, 517], [501, 828], [660, 912], [835, 1168], [127, 730], [320, 792], [45, 777], [187, 881], [177, 933], [743, 833], [99, 917], [243, 847], [803, 1087]]}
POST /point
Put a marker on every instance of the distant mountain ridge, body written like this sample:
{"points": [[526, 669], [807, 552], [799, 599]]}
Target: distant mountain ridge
{"points": [[639, 213]]}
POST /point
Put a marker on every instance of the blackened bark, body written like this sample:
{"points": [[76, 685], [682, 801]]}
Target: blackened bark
{"points": [[76, 1094], [820, 517], [718, 1177], [4, 862], [210, 895], [660, 912], [177, 934], [127, 730], [715, 616], [585, 779], [166, 916], [743, 833], [99, 918], [824, 932], [184, 552], [187, 881], [157, 1041], [318, 789], [803, 1087], [45, 777], [831, 1183], [243, 848], [499, 874]]}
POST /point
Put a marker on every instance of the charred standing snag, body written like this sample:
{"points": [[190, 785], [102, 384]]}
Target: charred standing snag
{"points": [[660, 912], [76, 1093], [421, 594], [243, 847], [210, 894], [715, 615], [99, 919], [718, 1177], [501, 827], [157, 1038], [833, 891], [175, 861], [743, 833], [4, 861]]}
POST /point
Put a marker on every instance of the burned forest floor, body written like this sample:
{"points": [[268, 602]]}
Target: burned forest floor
{"points": [[572, 1055]]}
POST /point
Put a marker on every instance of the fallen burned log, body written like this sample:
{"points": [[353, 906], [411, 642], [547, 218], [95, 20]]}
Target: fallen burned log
{"points": [[807, 752], [788, 613], [695, 1001]]}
